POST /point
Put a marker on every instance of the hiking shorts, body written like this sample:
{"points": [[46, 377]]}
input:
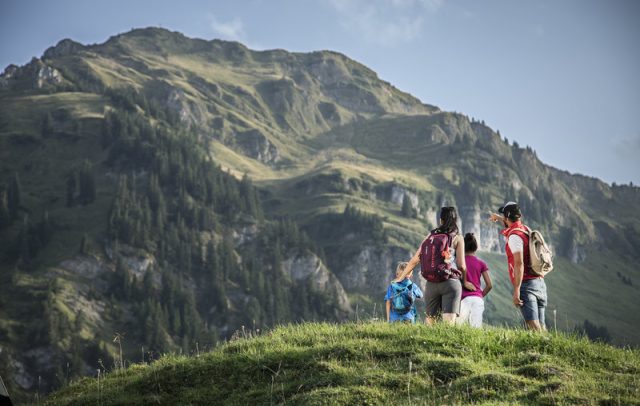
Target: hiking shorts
{"points": [[443, 297], [533, 293]]}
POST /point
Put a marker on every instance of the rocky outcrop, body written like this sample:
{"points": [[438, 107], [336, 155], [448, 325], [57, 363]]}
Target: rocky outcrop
{"points": [[308, 268], [178, 101], [136, 261], [244, 234], [456, 126], [436, 135], [327, 69], [85, 266], [577, 254], [47, 76], [472, 220], [63, 48], [395, 194], [34, 75], [256, 145], [88, 274], [21, 376], [370, 271], [188, 112], [6, 76]]}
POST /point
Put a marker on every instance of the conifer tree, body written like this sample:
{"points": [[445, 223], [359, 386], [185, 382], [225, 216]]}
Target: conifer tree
{"points": [[25, 249], [71, 189], [84, 244], [44, 228], [5, 215], [14, 195], [87, 184]]}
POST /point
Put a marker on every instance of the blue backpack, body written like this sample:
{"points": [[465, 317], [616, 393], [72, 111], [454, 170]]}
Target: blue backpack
{"points": [[403, 298]]}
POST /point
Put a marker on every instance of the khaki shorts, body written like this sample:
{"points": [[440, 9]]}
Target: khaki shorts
{"points": [[443, 297]]}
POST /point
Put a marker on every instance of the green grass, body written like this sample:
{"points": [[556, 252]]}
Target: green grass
{"points": [[376, 363], [24, 114]]}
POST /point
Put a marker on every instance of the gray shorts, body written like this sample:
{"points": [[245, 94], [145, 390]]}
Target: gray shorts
{"points": [[443, 297], [533, 293]]}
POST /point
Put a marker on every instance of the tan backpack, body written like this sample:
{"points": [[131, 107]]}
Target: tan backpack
{"points": [[539, 252]]}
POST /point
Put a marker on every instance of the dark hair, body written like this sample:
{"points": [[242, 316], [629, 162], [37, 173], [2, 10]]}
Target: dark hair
{"points": [[449, 220], [470, 243], [513, 212]]}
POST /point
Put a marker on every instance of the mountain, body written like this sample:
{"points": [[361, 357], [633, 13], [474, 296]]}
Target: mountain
{"points": [[376, 364], [165, 191]]}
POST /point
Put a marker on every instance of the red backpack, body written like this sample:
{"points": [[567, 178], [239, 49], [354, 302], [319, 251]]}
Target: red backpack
{"points": [[433, 254]]}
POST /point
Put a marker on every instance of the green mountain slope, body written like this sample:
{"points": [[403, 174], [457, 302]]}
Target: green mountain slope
{"points": [[176, 189], [376, 363]]}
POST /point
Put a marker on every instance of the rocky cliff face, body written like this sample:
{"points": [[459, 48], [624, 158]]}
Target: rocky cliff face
{"points": [[254, 144], [308, 269], [35, 75], [396, 194], [474, 220], [189, 112], [371, 270]]}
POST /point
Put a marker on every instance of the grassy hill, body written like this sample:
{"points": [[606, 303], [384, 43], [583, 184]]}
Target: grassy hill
{"points": [[376, 364]]}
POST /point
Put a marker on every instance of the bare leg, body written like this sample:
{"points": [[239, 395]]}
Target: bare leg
{"points": [[430, 321], [449, 318], [534, 325]]}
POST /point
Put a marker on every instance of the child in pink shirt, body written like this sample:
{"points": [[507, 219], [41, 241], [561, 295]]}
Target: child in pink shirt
{"points": [[472, 304]]}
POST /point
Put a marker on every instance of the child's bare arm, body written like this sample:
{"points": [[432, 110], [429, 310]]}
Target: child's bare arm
{"points": [[487, 283], [409, 269], [388, 309]]}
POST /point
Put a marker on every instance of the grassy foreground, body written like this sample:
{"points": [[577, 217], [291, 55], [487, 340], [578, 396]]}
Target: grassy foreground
{"points": [[375, 363]]}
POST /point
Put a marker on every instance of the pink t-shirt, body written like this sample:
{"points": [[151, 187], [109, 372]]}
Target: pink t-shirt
{"points": [[475, 268]]}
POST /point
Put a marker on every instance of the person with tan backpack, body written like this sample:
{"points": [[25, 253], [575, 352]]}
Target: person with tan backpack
{"points": [[529, 260]]}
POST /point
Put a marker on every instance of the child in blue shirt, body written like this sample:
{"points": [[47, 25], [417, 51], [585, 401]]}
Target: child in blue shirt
{"points": [[402, 293]]}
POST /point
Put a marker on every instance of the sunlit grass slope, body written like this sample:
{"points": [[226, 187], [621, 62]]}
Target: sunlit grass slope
{"points": [[374, 363]]}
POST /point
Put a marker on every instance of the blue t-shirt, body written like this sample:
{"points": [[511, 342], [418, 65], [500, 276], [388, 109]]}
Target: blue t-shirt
{"points": [[410, 315]]}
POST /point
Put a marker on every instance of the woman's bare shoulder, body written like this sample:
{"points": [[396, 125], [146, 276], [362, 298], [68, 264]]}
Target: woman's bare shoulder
{"points": [[456, 240]]}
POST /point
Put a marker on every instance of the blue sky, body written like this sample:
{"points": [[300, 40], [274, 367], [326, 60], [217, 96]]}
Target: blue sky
{"points": [[559, 76]]}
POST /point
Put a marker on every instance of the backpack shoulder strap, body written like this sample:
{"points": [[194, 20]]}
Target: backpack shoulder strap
{"points": [[422, 244], [525, 231], [453, 238], [398, 286]]}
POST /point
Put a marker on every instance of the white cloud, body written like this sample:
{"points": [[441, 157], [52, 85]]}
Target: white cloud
{"points": [[385, 22], [230, 30]]}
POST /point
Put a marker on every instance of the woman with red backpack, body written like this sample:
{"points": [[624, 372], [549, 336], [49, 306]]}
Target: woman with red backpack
{"points": [[442, 259]]}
